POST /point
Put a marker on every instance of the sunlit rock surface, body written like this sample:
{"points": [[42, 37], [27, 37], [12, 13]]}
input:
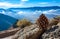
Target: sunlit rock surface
{"points": [[30, 32], [52, 33]]}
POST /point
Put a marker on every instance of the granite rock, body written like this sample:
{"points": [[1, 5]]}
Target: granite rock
{"points": [[52, 33]]}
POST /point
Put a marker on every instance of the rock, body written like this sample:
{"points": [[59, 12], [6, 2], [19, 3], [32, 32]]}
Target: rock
{"points": [[30, 32], [52, 33], [10, 37], [58, 24], [11, 28], [8, 33]]}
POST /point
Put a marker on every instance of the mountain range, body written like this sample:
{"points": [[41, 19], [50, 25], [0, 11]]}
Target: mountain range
{"points": [[32, 8], [9, 16], [6, 21]]}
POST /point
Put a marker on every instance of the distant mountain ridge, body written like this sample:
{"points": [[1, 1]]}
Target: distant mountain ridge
{"points": [[11, 11], [36, 8], [15, 10], [33, 8]]}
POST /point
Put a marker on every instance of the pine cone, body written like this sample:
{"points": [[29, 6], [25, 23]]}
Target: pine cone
{"points": [[43, 22]]}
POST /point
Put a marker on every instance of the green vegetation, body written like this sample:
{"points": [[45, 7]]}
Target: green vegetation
{"points": [[57, 17], [54, 21]]}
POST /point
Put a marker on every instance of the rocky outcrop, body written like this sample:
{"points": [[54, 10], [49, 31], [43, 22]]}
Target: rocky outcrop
{"points": [[58, 24], [8, 32], [52, 33], [30, 32]]}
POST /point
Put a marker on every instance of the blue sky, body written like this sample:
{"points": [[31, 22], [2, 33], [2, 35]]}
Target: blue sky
{"points": [[28, 3]]}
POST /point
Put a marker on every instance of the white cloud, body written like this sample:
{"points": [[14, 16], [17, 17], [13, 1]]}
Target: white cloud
{"points": [[49, 11], [20, 12], [9, 5], [37, 12], [54, 12], [2, 12], [24, 0], [6, 4]]}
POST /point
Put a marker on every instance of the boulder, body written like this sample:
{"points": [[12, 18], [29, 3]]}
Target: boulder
{"points": [[58, 24], [52, 33], [8, 33], [30, 32]]}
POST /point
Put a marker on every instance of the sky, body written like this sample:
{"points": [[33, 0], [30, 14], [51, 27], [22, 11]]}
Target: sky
{"points": [[28, 3]]}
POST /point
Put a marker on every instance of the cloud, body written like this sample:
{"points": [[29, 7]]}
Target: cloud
{"points": [[9, 5], [52, 11], [23, 3], [21, 12], [49, 11], [35, 13], [13, 5], [24, 0], [2, 12]]}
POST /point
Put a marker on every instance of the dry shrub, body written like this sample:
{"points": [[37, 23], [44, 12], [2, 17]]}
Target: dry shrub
{"points": [[53, 22], [22, 23], [57, 17]]}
